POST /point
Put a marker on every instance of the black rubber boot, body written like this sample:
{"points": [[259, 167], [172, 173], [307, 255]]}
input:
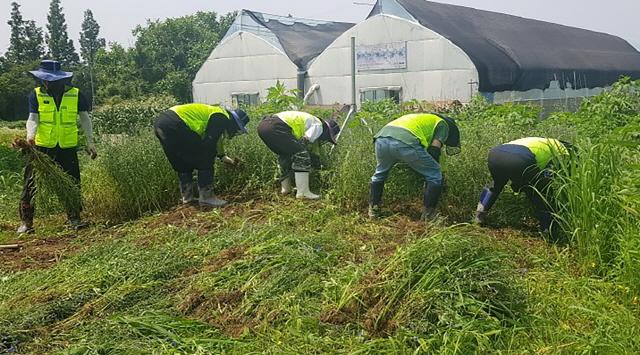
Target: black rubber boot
{"points": [[375, 198], [75, 222], [545, 219], [432, 194], [26, 212]]}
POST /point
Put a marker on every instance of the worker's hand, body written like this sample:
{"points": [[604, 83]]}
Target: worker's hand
{"points": [[304, 141], [20, 144], [91, 150], [31, 141]]}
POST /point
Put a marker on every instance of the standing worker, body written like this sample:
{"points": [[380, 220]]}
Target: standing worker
{"points": [[296, 137], [52, 127], [524, 162], [192, 136], [416, 140]]}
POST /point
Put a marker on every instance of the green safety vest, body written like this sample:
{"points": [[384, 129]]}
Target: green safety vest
{"points": [[57, 127], [297, 121], [421, 125], [544, 149], [196, 116]]}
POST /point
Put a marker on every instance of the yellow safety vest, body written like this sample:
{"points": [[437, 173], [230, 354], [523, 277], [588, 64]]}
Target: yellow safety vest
{"points": [[196, 116], [421, 125], [297, 121], [57, 127], [544, 149]]}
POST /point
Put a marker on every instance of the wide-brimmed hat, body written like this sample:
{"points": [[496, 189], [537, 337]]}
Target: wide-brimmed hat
{"points": [[241, 118], [50, 70], [332, 128]]}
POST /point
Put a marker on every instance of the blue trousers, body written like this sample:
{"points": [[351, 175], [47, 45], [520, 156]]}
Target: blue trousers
{"points": [[391, 151]]}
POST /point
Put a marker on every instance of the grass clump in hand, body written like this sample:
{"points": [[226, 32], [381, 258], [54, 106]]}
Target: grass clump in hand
{"points": [[50, 179]]}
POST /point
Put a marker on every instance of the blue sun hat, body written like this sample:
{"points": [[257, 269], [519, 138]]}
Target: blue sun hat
{"points": [[50, 70]]}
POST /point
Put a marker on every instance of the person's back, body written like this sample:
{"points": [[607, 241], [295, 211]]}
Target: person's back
{"points": [[522, 162]]}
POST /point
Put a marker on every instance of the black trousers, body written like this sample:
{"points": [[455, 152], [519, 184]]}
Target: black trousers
{"points": [[184, 149], [515, 163], [67, 159], [279, 138]]}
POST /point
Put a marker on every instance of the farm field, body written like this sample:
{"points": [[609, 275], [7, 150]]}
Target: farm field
{"points": [[276, 275]]}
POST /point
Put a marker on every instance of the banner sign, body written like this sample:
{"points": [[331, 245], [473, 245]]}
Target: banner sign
{"points": [[382, 56]]}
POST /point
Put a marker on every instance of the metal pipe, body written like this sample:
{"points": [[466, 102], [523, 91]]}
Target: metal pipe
{"points": [[302, 74], [312, 89], [354, 106], [353, 71], [352, 111]]}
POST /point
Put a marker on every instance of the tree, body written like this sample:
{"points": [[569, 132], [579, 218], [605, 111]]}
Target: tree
{"points": [[60, 46], [34, 42], [89, 41], [17, 37], [170, 52], [15, 87], [117, 77]]}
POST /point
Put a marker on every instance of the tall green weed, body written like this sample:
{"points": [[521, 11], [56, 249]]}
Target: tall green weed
{"points": [[130, 116], [130, 178]]}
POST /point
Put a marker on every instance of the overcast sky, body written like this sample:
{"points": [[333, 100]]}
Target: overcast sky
{"points": [[119, 17]]}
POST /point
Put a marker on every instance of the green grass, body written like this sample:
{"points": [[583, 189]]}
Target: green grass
{"points": [[288, 278], [269, 274]]}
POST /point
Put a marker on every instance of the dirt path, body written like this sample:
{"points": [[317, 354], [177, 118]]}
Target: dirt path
{"points": [[40, 253]]}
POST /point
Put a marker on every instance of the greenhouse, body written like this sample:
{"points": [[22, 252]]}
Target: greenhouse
{"points": [[415, 50], [259, 50]]}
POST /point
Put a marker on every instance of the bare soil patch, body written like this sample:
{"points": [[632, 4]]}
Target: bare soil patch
{"points": [[39, 253]]}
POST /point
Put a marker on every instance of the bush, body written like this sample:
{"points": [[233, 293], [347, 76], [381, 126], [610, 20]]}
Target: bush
{"points": [[614, 108], [130, 116]]}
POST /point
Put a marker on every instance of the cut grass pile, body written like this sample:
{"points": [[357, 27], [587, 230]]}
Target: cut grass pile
{"points": [[289, 277]]}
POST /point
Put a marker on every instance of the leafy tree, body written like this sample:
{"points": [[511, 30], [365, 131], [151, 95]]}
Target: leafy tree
{"points": [[117, 77], [60, 46], [26, 42], [170, 52], [17, 36], [15, 86], [90, 43], [34, 42]]}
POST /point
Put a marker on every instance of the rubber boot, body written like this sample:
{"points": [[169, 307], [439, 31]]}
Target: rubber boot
{"points": [[186, 190], [75, 222], [26, 212], [285, 186], [480, 218], [487, 198], [431, 197], [302, 186], [545, 218], [375, 198], [209, 199]]}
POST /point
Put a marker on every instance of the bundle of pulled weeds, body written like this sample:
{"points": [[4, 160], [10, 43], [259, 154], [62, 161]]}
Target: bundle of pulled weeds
{"points": [[50, 179]]}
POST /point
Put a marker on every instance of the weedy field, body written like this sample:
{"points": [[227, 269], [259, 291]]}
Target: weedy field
{"points": [[269, 274]]}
